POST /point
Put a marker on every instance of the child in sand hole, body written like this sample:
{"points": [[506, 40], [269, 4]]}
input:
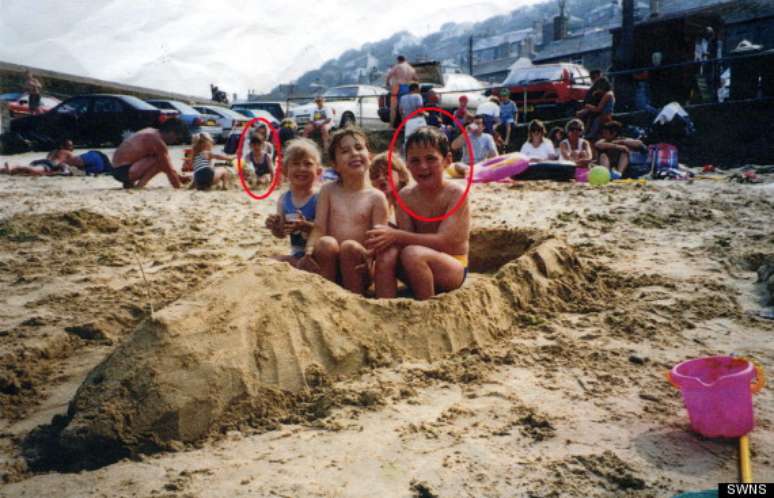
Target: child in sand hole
{"points": [[346, 210], [378, 176], [297, 208], [430, 257]]}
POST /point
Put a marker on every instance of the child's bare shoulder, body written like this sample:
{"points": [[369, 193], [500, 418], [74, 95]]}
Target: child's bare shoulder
{"points": [[376, 195], [328, 188]]}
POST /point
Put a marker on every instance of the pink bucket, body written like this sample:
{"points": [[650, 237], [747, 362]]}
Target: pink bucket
{"points": [[717, 393]]}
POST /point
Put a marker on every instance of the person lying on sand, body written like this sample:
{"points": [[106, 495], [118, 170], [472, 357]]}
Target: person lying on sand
{"points": [[430, 257], [297, 208], [55, 163], [144, 155], [346, 210]]}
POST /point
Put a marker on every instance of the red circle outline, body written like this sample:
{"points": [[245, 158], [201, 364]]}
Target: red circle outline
{"points": [[394, 191], [277, 163]]}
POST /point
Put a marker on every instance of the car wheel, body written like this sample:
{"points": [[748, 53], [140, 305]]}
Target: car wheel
{"points": [[348, 119]]}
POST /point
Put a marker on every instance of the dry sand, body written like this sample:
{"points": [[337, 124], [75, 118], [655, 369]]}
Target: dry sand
{"points": [[543, 376]]}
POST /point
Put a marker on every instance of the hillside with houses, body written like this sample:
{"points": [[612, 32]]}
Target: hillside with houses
{"points": [[553, 31]]}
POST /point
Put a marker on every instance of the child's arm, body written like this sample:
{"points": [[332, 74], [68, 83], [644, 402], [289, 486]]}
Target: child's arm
{"points": [[452, 232], [320, 220], [275, 222], [221, 157]]}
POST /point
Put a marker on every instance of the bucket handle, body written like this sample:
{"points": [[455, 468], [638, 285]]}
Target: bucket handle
{"points": [[760, 379], [668, 375], [755, 387]]}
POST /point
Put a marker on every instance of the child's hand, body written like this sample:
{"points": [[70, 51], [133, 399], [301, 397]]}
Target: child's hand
{"points": [[307, 263], [302, 224], [380, 238], [274, 223]]}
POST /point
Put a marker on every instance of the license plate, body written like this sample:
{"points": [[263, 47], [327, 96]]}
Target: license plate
{"points": [[210, 122]]}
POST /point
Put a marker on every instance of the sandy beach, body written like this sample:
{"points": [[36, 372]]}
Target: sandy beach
{"points": [[544, 376]]}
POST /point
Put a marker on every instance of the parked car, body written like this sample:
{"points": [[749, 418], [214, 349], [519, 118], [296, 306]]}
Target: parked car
{"points": [[228, 120], [19, 103], [193, 118], [552, 90], [277, 109], [351, 104], [456, 85], [90, 120], [258, 113]]}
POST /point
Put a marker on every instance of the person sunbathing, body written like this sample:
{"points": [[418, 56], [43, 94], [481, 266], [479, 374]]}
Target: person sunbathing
{"points": [[55, 163]]}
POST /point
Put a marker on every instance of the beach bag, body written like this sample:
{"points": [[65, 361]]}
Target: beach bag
{"points": [[638, 165], [662, 158]]}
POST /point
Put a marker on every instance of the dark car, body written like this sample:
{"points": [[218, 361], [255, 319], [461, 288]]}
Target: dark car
{"points": [[90, 120]]}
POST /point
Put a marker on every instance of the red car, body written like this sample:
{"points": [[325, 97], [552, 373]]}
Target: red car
{"points": [[18, 103], [550, 90]]}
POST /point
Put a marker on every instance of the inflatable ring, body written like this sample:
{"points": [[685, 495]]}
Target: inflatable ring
{"points": [[500, 167]]}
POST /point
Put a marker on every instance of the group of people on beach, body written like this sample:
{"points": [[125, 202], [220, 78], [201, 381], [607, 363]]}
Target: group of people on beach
{"points": [[350, 233]]}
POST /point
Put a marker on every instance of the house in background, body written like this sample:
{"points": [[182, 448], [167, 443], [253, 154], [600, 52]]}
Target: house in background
{"points": [[494, 55]]}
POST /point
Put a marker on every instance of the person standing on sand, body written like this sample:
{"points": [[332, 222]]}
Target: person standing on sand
{"points": [[398, 79], [144, 155], [33, 86]]}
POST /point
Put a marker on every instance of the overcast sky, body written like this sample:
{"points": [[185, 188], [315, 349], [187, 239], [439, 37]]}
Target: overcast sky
{"points": [[184, 45]]}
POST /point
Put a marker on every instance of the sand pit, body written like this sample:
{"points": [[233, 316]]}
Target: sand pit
{"points": [[555, 389], [245, 346]]}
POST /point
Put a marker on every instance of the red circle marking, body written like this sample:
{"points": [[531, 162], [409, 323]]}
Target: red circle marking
{"points": [[278, 162], [394, 191]]}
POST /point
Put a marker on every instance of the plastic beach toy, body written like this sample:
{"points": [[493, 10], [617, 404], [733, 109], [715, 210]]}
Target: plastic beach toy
{"points": [[500, 167], [581, 175], [717, 392], [599, 175]]}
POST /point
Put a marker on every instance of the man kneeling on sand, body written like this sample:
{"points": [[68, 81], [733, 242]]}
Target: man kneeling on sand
{"points": [[144, 155], [430, 257]]}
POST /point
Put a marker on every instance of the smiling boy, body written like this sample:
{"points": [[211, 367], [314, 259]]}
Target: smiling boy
{"points": [[346, 210], [430, 257]]}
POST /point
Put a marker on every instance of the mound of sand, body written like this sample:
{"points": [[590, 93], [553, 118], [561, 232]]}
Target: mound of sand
{"points": [[245, 346], [24, 227]]}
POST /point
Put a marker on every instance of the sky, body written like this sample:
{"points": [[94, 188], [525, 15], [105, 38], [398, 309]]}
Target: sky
{"points": [[184, 45]]}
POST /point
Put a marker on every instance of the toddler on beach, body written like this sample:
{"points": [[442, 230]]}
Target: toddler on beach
{"points": [[204, 173], [297, 208], [378, 176], [430, 257], [259, 159], [346, 210]]}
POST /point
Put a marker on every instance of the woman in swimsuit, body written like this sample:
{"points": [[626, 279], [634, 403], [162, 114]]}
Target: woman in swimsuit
{"points": [[53, 164]]}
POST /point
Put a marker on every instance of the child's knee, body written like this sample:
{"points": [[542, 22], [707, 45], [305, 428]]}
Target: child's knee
{"points": [[326, 246], [411, 256], [351, 249]]}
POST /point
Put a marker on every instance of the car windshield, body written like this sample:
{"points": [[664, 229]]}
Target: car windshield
{"points": [[228, 113], [342, 91], [536, 74], [137, 103], [174, 104], [184, 108], [10, 97]]}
